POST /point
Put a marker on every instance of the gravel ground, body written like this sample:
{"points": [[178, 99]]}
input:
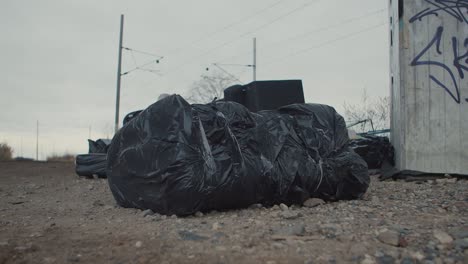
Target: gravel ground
{"points": [[49, 215]]}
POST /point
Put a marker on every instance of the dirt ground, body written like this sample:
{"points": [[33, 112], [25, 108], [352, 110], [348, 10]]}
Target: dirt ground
{"points": [[50, 215]]}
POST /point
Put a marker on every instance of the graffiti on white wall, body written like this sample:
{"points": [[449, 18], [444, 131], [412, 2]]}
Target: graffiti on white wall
{"points": [[458, 9]]}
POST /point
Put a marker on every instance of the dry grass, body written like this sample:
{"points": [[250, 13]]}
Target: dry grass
{"points": [[61, 158]]}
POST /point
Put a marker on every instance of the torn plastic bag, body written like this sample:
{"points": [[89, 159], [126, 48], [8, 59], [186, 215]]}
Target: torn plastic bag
{"points": [[375, 150], [177, 158], [99, 146], [88, 165]]}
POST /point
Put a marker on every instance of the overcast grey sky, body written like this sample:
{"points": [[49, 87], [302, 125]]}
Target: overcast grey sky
{"points": [[59, 57]]}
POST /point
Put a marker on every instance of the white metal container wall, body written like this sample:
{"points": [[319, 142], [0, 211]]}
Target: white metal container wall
{"points": [[429, 85]]}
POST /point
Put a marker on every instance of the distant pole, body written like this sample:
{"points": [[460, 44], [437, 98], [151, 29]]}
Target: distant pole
{"points": [[119, 74], [254, 59], [89, 134], [37, 140]]}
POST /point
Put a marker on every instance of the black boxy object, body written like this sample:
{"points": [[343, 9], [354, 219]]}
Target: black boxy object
{"points": [[235, 93], [266, 95]]}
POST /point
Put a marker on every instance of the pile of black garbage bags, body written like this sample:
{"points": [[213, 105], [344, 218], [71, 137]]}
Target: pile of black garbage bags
{"points": [[375, 150], [95, 162], [177, 158]]}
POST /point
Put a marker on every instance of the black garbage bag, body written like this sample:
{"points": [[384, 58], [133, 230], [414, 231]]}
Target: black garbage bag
{"points": [[98, 146], [95, 162], [375, 150], [88, 165], [177, 158], [130, 116]]}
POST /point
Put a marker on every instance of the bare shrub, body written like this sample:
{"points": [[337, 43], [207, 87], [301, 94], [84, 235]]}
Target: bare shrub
{"points": [[375, 111], [209, 87], [6, 152]]}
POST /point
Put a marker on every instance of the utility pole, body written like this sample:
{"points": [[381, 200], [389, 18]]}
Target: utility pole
{"points": [[37, 140], [119, 75], [254, 59]]}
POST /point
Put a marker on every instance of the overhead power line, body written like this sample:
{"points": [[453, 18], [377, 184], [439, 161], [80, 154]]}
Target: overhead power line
{"points": [[219, 30], [242, 20], [142, 67], [308, 33], [226, 72], [324, 44], [234, 64], [300, 8], [143, 52], [151, 71], [340, 38], [276, 19], [134, 59]]}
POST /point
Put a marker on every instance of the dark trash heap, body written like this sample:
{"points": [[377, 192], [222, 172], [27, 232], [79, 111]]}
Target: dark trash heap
{"points": [[375, 150], [177, 158], [95, 162]]}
